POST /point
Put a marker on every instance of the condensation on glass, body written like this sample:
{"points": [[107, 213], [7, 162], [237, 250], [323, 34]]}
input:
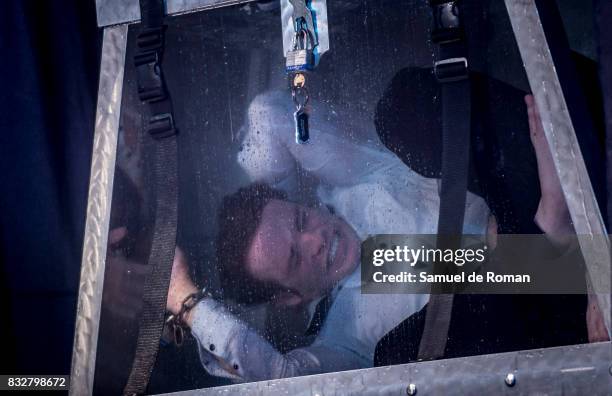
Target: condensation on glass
{"points": [[371, 167]]}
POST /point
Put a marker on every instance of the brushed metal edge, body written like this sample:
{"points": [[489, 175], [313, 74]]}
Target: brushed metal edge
{"points": [[98, 210], [562, 140], [113, 12], [575, 369]]}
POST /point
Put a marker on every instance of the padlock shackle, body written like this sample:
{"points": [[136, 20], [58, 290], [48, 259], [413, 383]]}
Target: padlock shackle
{"points": [[303, 40]]}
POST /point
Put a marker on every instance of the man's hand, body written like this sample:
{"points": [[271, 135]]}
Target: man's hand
{"points": [[181, 285], [553, 215], [124, 279], [595, 324]]}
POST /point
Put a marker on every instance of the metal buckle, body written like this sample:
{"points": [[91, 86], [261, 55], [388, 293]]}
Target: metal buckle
{"points": [[450, 70]]}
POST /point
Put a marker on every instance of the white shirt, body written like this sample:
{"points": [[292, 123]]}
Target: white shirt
{"points": [[368, 186]]}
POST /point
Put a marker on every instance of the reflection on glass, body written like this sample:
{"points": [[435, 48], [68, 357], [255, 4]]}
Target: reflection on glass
{"points": [[272, 229]]}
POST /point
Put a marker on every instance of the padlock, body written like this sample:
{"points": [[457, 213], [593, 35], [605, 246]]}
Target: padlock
{"points": [[301, 57], [300, 60]]}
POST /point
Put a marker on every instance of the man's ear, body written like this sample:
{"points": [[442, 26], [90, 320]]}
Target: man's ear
{"points": [[287, 298]]}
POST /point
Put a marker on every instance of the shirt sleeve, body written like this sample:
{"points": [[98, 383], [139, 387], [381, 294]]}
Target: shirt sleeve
{"points": [[229, 348], [264, 154], [269, 152]]}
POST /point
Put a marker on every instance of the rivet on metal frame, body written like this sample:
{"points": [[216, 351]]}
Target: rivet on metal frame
{"points": [[510, 379], [411, 390], [610, 369]]}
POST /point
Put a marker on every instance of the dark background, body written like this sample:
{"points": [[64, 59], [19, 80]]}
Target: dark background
{"points": [[49, 58]]}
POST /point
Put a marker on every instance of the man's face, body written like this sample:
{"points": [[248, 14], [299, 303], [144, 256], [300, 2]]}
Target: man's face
{"points": [[303, 250]]}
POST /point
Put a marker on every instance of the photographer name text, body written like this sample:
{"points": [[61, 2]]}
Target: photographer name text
{"points": [[425, 277]]}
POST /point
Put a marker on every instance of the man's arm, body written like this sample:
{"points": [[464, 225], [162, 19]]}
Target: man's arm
{"points": [[269, 152], [264, 154], [553, 216], [230, 348]]}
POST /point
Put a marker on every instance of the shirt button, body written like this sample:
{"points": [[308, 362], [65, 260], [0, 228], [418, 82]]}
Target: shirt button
{"points": [[212, 347], [235, 366]]}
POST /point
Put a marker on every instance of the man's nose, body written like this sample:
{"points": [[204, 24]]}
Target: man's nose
{"points": [[312, 242]]}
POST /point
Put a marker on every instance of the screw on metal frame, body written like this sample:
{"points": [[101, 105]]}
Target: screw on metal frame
{"points": [[411, 390], [510, 380]]}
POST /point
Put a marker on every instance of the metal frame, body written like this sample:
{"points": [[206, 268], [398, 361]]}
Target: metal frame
{"points": [[98, 210], [561, 136], [572, 370], [577, 369], [113, 12]]}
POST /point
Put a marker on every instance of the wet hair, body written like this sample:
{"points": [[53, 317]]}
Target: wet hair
{"points": [[239, 217]]}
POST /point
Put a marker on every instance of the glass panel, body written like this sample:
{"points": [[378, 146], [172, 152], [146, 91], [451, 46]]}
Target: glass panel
{"points": [[273, 229]]}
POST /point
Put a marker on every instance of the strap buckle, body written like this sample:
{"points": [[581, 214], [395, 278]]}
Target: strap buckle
{"points": [[447, 24], [151, 87], [161, 126], [150, 39], [451, 70]]}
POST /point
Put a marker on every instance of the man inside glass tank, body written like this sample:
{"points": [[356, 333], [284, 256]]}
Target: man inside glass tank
{"points": [[273, 249]]}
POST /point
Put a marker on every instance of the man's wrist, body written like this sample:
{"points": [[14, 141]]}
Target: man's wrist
{"points": [[180, 321], [553, 217], [188, 317], [179, 296]]}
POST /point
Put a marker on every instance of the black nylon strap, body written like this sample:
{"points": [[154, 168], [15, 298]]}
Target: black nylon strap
{"points": [[161, 147], [456, 125], [152, 12], [164, 174], [452, 72]]}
